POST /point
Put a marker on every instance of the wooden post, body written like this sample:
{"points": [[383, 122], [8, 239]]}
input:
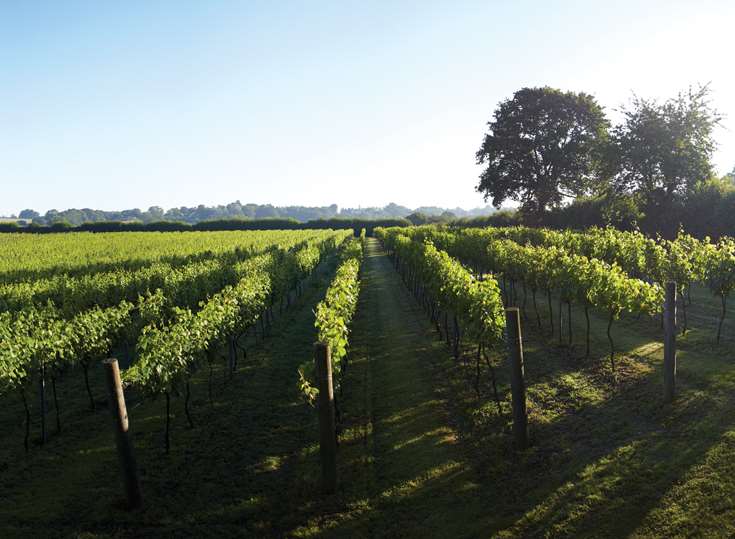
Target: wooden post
{"points": [[116, 399], [327, 428], [42, 396], [517, 377], [670, 342]]}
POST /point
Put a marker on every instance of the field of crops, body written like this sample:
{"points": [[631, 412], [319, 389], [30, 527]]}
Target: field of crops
{"points": [[213, 333], [167, 301]]}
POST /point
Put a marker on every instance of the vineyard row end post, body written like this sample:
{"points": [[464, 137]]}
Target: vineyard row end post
{"points": [[517, 377], [123, 441], [670, 342], [327, 425]]}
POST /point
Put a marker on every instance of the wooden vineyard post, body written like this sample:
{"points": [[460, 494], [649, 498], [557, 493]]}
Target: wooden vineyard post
{"points": [[42, 395], [119, 412], [517, 377], [327, 430], [670, 342]]}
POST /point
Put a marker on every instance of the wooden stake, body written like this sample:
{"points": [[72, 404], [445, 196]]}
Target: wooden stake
{"points": [[327, 426], [116, 399], [517, 377], [670, 342], [42, 397]]}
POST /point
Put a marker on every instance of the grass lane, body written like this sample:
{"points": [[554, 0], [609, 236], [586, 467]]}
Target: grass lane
{"points": [[606, 461]]}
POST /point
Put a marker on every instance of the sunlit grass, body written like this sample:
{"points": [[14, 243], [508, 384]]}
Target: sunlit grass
{"points": [[407, 487], [420, 454], [440, 435]]}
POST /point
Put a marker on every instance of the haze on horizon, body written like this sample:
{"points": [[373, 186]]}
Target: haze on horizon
{"points": [[186, 103]]}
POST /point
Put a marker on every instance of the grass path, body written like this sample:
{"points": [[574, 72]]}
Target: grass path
{"points": [[422, 456], [418, 465], [403, 472]]}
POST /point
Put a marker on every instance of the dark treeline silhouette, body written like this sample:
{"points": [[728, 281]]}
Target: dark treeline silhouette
{"points": [[709, 210], [221, 224], [560, 158]]}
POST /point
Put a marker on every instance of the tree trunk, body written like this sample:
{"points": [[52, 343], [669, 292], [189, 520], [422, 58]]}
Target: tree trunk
{"points": [[209, 384], [456, 337], [551, 312], [561, 323], [685, 324], [437, 321], [587, 333], [28, 418], [85, 367], [42, 398], [525, 298], [477, 370], [56, 404], [535, 308], [723, 299], [493, 381], [186, 405], [446, 328], [234, 353], [168, 422], [569, 321], [612, 348]]}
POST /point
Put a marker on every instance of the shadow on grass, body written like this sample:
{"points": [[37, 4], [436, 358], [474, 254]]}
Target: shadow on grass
{"points": [[601, 462], [241, 471], [421, 455]]}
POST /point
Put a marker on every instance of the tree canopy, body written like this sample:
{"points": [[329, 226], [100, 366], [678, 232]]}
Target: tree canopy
{"points": [[541, 148], [663, 150]]}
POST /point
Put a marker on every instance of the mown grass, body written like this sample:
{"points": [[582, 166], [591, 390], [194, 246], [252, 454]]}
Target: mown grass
{"points": [[606, 460], [420, 454]]}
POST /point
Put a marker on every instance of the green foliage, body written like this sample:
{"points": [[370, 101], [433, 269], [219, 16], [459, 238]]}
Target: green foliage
{"points": [[477, 303], [333, 316], [661, 151], [174, 311], [168, 354], [598, 267], [541, 148], [39, 337], [720, 267]]}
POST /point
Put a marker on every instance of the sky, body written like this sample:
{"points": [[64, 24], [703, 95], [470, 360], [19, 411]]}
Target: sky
{"points": [[115, 105]]}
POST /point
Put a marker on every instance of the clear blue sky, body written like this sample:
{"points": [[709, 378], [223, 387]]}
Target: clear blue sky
{"points": [[114, 105]]}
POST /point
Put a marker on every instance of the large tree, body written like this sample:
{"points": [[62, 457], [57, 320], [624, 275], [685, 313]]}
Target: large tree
{"points": [[661, 151], [29, 214], [542, 148]]}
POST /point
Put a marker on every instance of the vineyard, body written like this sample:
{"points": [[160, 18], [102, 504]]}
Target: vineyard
{"points": [[315, 383]]}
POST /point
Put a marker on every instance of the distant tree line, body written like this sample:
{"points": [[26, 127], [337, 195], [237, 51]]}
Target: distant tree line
{"points": [[236, 210], [559, 156], [218, 224]]}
